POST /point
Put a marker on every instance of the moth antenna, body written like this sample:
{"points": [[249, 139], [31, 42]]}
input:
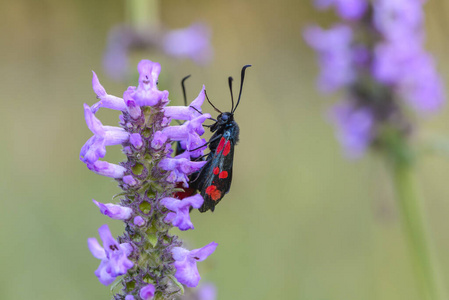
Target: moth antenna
{"points": [[241, 86], [196, 110], [230, 89], [184, 89], [216, 109]]}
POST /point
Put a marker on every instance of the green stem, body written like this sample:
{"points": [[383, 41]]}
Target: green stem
{"points": [[415, 224], [143, 14]]}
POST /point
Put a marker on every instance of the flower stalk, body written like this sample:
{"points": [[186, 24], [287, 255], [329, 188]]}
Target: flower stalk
{"points": [[143, 14], [414, 222]]}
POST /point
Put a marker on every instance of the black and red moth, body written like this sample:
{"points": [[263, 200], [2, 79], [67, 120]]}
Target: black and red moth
{"points": [[213, 181]]}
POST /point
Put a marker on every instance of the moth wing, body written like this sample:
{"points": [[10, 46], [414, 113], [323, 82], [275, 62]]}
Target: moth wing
{"points": [[217, 177]]}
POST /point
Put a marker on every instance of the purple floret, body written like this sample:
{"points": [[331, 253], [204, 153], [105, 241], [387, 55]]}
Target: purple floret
{"points": [[114, 211], [114, 256], [180, 216], [185, 263], [147, 292]]}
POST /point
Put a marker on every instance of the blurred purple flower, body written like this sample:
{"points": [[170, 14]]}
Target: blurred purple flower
{"points": [[421, 87], [384, 67], [185, 263], [354, 128], [347, 9], [192, 42], [336, 55], [398, 18], [114, 256], [115, 61], [405, 66], [207, 291]]}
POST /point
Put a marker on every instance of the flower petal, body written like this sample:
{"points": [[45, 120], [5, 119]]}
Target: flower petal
{"points": [[95, 248], [106, 100], [147, 292], [107, 169], [103, 273], [114, 211], [202, 253]]}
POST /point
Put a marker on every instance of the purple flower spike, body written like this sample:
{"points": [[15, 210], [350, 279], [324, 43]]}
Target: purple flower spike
{"points": [[107, 169], [354, 128], [148, 177], [136, 140], [147, 292], [192, 42], [207, 291], [185, 263], [180, 216], [347, 9], [114, 211], [336, 57], [147, 93], [180, 168], [187, 112], [106, 100], [103, 136], [114, 256]]}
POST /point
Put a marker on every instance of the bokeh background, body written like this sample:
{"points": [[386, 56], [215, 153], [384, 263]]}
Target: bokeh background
{"points": [[300, 222]]}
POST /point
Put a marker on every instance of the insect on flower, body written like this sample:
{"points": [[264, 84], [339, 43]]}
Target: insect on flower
{"points": [[213, 180]]}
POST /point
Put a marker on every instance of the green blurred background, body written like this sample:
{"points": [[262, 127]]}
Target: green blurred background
{"points": [[300, 222]]}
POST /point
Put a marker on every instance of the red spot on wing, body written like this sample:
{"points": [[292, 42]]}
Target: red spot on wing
{"points": [[220, 145], [227, 148], [212, 191], [216, 170], [223, 174]]}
